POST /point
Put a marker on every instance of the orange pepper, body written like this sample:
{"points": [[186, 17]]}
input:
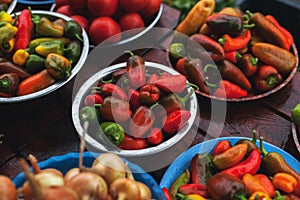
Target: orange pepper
{"points": [[284, 182]]}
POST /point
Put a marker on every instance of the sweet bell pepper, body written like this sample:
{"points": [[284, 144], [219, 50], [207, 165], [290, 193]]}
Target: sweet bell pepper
{"points": [[220, 147], [47, 28], [35, 63], [135, 66], [233, 56], [253, 185], [175, 121], [149, 94], [259, 196], [9, 82], [54, 46], [9, 46], [111, 89], [266, 182], [58, 66], [132, 143], [20, 57], [93, 100], [284, 182], [73, 51], [113, 131], [73, 30], [267, 78]]}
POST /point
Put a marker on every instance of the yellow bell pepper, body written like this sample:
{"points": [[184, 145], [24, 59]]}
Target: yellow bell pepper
{"points": [[5, 17], [195, 197], [260, 196], [20, 57]]}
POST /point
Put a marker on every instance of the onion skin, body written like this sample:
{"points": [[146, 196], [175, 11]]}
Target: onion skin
{"points": [[125, 189], [144, 191], [61, 193], [110, 166], [71, 173], [8, 190]]}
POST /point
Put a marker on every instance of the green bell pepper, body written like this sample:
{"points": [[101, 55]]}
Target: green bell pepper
{"points": [[35, 63], [113, 131], [54, 46], [73, 30], [47, 28]]}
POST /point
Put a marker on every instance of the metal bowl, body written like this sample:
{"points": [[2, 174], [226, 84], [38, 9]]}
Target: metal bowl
{"points": [[58, 84], [11, 6], [168, 147], [68, 161]]}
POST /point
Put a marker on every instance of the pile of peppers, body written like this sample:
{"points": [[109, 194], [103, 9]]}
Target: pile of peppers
{"points": [[36, 52], [135, 107], [250, 53], [237, 171]]}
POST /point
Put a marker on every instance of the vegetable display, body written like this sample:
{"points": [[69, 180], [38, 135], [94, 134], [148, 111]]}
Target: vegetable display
{"points": [[38, 50], [136, 107], [223, 174], [250, 51]]}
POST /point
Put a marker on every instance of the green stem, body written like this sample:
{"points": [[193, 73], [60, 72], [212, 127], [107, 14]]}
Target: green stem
{"points": [[130, 53], [272, 81], [262, 148], [193, 85], [254, 137], [5, 83]]}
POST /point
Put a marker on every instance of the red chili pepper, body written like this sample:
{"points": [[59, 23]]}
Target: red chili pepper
{"points": [[136, 70], [175, 83], [248, 64], [153, 78], [131, 143], [141, 122], [248, 166], [92, 99], [149, 94], [233, 56], [221, 146], [180, 65], [133, 96], [266, 78], [25, 27], [176, 120], [167, 193], [266, 183], [193, 188], [110, 89], [287, 34], [234, 43], [229, 90], [155, 136]]}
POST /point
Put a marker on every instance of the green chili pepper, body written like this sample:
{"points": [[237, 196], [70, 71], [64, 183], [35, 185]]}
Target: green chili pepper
{"points": [[35, 63], [88, 113], [177, 50], [113, 131], [73, 52], [45, 48], [35, 42], [295, 114], [46, 28], [181, 180], [73, 30]]}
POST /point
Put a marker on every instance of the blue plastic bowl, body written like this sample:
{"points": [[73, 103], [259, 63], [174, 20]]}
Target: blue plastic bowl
{"points": [[70, 160]]}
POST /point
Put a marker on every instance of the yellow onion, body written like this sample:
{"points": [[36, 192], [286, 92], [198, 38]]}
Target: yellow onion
{"points": [[7, 189]]}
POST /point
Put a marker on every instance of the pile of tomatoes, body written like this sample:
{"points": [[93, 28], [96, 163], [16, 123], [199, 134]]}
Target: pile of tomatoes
{"points": [[106, 18]]}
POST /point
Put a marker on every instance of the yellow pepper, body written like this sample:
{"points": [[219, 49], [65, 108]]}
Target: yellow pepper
{"points": [[9, 46], [20, 57], [5, 17], [284, 182], [195, 197], [260, 196]]}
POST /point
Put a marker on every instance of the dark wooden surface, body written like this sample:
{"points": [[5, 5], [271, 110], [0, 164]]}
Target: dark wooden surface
{"points": [[44, 127]]}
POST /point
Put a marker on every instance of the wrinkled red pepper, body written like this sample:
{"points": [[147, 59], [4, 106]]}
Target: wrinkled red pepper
{"points": [[233, 56], [131, 143], [220, 147], [229, 90], [110, 89], [248, 64], [142, 121], [134, 101], [175, 83], [135, 66], [149, 94], [25, 26], [248, 166], [266, 78], [234, 43], [176, 120], [193, 188]]}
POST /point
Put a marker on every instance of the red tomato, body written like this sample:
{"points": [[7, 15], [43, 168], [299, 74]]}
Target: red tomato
{"points": [[78, 6], [59, 3], [152, 7], [132, 5], [103, 28], [131, 143], [130, 21], [65, 10], [100, 8], [84, 22], [155, 136]]}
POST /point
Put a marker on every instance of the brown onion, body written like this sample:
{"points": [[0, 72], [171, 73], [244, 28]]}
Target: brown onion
{"points": [[144, 191], [8, 190], [124, 189]]}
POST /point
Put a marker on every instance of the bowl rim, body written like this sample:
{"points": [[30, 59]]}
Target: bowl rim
{"points": [[12, 6], [60, 83], [254, 97], [130, 153], [38, 2]]}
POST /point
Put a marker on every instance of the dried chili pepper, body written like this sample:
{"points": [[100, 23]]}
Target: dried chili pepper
{"points": [[131, 143], [111, 89], [234, 43], [252, 184], [180, 180], [176, 120], [267, 78], [248, 64], [202, 168], [135, 66], [25, 27], [149, 94], [233, 56], [193, 188], [142, 121], [175, 83], [284, 182], [229, 90], [220, 147]]}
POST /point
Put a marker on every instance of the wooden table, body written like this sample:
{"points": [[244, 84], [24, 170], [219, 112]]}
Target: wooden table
{"points": [[44, 127]]}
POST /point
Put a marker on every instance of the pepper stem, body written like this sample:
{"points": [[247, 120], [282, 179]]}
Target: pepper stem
{"points": [[262, 148], [272, 81], [240, 196], [193, 85], [186, 97], [253, 61], [222, 41], [130, 53], [254, 136], [5, 83]]}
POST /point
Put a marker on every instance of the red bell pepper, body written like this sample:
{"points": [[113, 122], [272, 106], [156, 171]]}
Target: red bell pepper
{"points": [[221, 146], [149, 94], [135, 66], [24, 33], [131, 143], [233, 56], [234, 43], [229, 90], [176, 120], [175, 83], [111, 89], [193, 188]]}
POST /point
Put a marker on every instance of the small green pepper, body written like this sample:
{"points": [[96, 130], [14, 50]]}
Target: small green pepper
{"points": [[46, 28], [73, 52], [54, 46], [35, 42], [35, 63], [113, 131], [88, 113], [295, 114], [73, 30], [177, 50], [58, 66]]}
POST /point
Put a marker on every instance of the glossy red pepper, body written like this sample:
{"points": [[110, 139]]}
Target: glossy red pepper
{"points": [[248, 166], [252, 184], [111, 89], [220, 147], [175, 83], [229, 90], [193, 188], [131, 143], [149, 94], [133, 96], [152, 78], [167, 193], [266, 78], [180, 65], [234, 43], [92, 99], [135, 66], [266, 183], [142, 121], [233, 56], [248, 64], [176, 120], [24, 33], [155, 136]]}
